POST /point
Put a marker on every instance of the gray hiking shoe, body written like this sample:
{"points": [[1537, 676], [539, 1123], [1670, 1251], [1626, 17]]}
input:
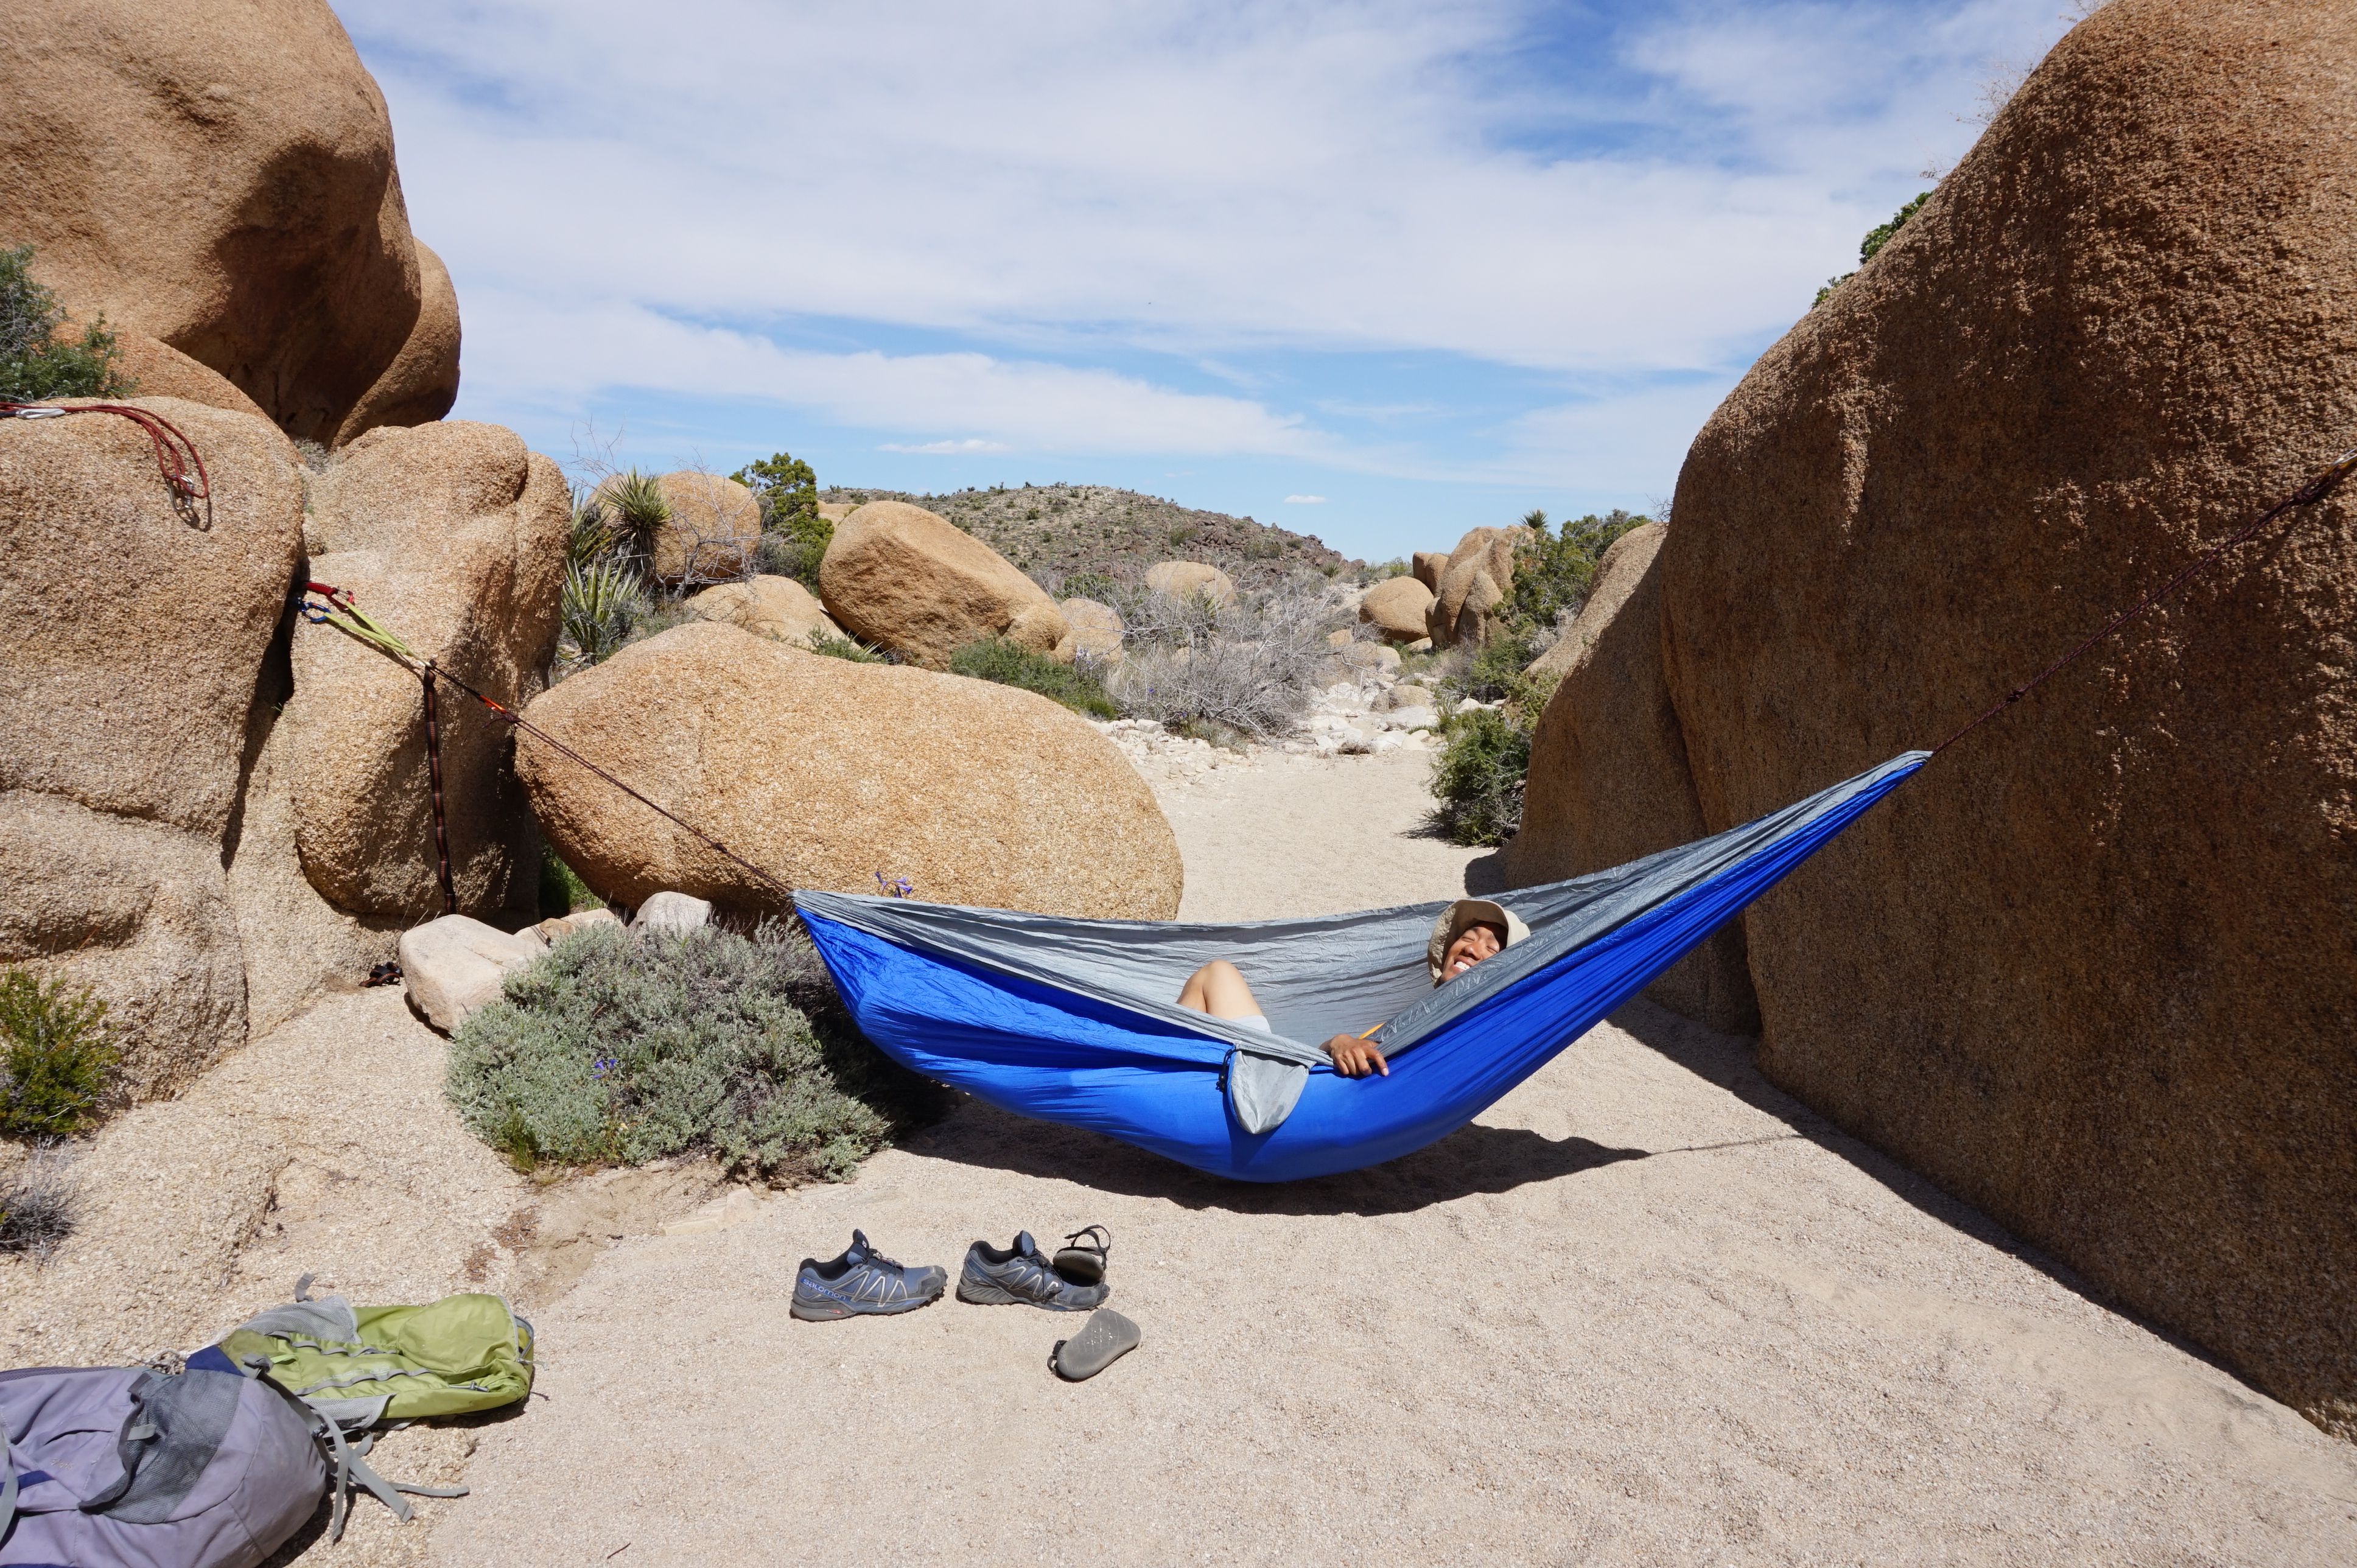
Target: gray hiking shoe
{"points": [[1021, 1273], [863, 1283]]}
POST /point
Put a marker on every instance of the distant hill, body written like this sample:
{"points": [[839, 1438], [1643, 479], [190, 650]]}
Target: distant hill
{"points": [[1056, 532]]}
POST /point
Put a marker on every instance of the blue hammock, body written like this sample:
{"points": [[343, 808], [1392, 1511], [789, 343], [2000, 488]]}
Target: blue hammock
{"points": [[1075, 1021]]}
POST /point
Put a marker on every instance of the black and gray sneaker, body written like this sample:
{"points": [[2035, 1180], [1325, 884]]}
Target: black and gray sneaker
{"points": [[863, 1283], [1021, 1273]]}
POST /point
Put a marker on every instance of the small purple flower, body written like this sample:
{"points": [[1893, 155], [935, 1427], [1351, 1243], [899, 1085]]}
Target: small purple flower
{"points": [[897, 887], [603, 1066]]}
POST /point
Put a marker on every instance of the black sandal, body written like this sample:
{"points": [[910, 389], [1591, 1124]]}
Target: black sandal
{"points": [[1083, 1262]]}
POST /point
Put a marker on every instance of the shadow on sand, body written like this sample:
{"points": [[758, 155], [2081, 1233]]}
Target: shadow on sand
{"points": [[1473, 1159]]}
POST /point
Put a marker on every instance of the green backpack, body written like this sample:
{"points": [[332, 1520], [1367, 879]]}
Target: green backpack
{"points": [[390, 1363]]}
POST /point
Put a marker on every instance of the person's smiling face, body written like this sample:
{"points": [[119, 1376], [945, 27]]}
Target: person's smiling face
{"points": [[1471, 946]]}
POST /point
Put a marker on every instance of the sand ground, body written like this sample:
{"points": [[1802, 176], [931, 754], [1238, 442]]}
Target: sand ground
{"points": [[1646, 1310]]}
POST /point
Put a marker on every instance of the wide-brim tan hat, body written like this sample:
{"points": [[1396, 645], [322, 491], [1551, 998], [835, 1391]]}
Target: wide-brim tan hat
{"points": [[1468, 912]]}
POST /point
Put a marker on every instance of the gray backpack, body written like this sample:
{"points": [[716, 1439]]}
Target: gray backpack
{"points": [[208, 1469]]}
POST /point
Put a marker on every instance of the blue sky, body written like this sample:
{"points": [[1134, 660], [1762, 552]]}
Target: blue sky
{"points": [[1430, 264]]}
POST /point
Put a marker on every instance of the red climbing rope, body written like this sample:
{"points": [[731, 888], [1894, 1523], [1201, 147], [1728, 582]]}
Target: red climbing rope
{"points": [[2315, 490], [175, 454]]}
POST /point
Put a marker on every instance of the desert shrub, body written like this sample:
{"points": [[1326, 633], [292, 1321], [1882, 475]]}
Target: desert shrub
{"points": [[59, 1055], [40, 1204], [1478, 775], [594, 532], [635, 503], [794, 554], [1384, 571], [625, 1048], [1881, 234], [1492, 673], [845, 648], [1249, 666], [787, 489], [597, 611], [1087, 585], [1012, 664], [35, 364], [1555, 570]]}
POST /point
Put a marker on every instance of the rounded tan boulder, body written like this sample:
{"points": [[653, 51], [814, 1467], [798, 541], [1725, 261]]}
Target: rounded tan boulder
{"points": [[2091, 971], [714, 526], [452, 536], [1428, 566], [1481, 572], [1396, 607], [137, 642], [219, 175], [1181, 579], [905, 579], [825, 772], [775, 607], [1095, 632]]}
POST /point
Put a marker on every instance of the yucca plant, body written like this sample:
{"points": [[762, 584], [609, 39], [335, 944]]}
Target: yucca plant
{"points": [[635, 502], [594, 532], [598, 607]]}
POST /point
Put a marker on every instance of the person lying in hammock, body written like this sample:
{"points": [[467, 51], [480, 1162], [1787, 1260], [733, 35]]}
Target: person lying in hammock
{"points": [[1467, 932]]}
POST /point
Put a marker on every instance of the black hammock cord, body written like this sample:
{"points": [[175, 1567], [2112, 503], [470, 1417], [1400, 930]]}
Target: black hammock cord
{"points": [[176, 457]]}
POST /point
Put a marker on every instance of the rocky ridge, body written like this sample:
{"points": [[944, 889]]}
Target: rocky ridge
{"points": [[1056, 532]]}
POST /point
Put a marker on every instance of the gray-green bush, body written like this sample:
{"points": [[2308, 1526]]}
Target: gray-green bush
{"points": [[622, 1047]]}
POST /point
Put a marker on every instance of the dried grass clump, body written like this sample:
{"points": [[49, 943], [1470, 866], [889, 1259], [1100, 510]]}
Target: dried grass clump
{"points": [[40, 1204], [1250, 666]]}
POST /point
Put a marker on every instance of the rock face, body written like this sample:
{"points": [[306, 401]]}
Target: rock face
{"points": [[827, 772], [126, 685], [1396, 607], [1481, 571], [1428, 566], [776, 608], [219, 175], [1182, 578], [1626, 562], [2091, 971], [1609, 781], [903, 579], [453, 965], [451, 536], [1094, 631]]}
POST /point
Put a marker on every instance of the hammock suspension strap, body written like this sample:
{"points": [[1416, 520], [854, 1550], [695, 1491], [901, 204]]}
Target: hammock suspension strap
{"points": [[175, 455], [2315, 490]]}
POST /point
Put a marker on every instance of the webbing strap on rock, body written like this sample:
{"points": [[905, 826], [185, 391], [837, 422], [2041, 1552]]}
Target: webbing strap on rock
{"points": [[175, 455], [2315, 490]]}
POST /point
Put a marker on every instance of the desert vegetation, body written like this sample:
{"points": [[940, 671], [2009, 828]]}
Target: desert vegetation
{"points": [[57, 1055], [1491, 699], [620, 1047], [38, 360]]}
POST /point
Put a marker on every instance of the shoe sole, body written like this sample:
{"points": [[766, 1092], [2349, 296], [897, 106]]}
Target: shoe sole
{"points": [[982, 1293], [1104, 1339], [829, 1312]]}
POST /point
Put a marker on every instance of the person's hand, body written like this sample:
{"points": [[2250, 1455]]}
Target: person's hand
{"points": [[1355, 1057]]}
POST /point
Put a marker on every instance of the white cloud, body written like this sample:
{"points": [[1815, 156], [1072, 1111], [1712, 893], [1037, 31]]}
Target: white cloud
{"points": [[1305, 501], [946, 448], [798, 202]]}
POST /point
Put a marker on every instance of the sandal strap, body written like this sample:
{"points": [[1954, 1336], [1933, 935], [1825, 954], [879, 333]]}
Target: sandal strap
{"points": [[1101, 1246]]}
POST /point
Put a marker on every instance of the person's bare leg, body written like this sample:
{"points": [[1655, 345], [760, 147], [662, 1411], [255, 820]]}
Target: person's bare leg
{"points": [[1218, 989]]}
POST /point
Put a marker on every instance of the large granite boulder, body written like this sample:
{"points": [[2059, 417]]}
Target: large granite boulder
{"points": [[827, 772], [219, 175], [452, 535], [126, 682], [1396, 607], [1429, 567], [1480, 574], [1094, 632], [715, 526], [2092, 971], [1185, 579], [770, 606], [904, 579], [1609, 781]]}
